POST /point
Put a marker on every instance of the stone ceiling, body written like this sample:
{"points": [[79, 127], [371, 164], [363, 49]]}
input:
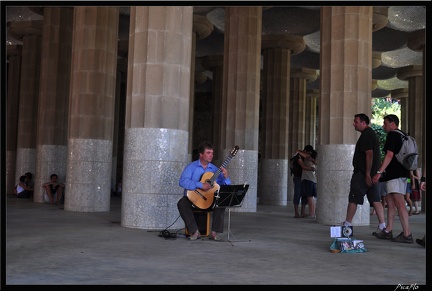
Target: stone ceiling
{"points": [[389, 41]]}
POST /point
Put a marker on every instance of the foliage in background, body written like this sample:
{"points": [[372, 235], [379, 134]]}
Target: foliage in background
{"points": [[382, 135], [380, 108]]}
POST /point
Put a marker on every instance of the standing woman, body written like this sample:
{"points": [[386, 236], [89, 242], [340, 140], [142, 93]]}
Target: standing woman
{"points": [[309, 180]]}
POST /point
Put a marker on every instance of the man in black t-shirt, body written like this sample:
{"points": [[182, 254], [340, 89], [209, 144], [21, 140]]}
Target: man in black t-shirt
{"points": [[366, 162]]}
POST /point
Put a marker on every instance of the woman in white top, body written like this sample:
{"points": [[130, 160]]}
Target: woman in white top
{"points": [[22, 190], [309, 181]]}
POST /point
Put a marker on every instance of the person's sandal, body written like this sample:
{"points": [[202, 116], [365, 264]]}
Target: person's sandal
{"points": [[196, 235], [215, 237]]}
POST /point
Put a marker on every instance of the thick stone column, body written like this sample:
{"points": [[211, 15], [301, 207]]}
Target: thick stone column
{"points": [[91, 111], [157, 115], [51, 145], [274, 163], [416, 104], [240, 97], [417, 42], [346, 82], [14, 53], [30, 34]]}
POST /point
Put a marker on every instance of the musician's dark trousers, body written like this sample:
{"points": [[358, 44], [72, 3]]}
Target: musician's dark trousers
{"points": [[186, 208]]}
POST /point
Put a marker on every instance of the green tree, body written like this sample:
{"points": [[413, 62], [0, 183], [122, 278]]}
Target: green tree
{"points": [[380, 108]]}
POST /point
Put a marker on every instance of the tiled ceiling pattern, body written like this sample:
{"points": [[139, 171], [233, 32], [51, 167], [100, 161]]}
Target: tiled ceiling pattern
{"points": [[390, 41]]}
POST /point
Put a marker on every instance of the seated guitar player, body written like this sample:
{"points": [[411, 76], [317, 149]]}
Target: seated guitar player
{"points": [[200, 180]]}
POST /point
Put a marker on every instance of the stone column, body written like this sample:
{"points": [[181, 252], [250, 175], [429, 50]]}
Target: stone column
{"points": [[402, 95], [240, 97], [201, 28], [215, 64], [416, 105], [14, 53], [52, 127], [119, 113], [274, 162], [311, 116], [114, 174], [299, 78], [91, 110], [298, 112], [157, 115], [416, 41], [30, 34], [346, 78]]}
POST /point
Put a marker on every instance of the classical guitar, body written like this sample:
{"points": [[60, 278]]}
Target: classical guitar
{"points": [[205, 199]]}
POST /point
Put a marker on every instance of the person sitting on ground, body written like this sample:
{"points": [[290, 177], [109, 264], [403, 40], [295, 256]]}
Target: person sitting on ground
{"points": [[54, 190], [22, 190], [29, 180]]}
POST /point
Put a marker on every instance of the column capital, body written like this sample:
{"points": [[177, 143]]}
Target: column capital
{"points": [[399, 93], [416, 40], [313, 93], [376, 60], [409, 71], [18, 29], [295, 44], [374, 84], [202, 26], [380, 17], [200, 78], [304, 73]]}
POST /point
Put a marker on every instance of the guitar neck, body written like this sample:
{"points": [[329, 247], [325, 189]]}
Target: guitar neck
{"points": [[224, 165]]}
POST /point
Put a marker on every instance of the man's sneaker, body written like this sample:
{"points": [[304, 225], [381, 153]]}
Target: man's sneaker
{"points": [[403, 239], [196, 235], [383, 234]]}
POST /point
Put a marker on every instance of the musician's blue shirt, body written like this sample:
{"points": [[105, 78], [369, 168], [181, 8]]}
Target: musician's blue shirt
{"points": [[192, 173]]}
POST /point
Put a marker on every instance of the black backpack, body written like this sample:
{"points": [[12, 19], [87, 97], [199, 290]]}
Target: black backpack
{"points": [[295, 167]]}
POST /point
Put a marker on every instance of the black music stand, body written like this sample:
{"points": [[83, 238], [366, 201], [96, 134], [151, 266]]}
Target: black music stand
{"points": [[231, 196]]}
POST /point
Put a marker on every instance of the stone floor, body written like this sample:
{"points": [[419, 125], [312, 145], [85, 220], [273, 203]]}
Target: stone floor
{"points": [[46, 245]]}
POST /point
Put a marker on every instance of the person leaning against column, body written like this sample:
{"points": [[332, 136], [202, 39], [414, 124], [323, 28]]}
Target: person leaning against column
{"points": [[396, 183], [366, 161]]}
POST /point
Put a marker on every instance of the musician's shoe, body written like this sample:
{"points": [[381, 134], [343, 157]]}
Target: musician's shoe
{"points": [[196, 235], [214, 236]]}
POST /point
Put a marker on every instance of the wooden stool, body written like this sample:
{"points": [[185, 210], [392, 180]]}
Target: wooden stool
{"points": [[202, 218]]}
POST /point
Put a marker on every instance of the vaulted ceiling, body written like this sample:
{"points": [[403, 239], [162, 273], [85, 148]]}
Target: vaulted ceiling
{"points": [[393, 27]]}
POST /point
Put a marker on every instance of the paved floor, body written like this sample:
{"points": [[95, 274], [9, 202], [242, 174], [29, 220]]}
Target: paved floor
{"points": [[49, 246]]}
